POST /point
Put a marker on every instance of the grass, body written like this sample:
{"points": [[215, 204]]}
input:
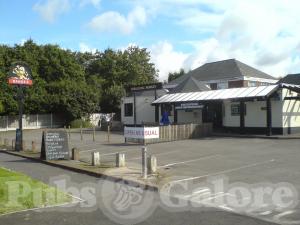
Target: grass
{"points": [[20, 192]]}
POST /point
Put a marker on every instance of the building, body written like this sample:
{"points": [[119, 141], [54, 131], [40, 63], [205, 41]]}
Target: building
{"points": [[291, 79], [230, 94], [224, 74]]}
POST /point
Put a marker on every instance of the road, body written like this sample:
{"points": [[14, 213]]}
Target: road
{"points": [[101, 202]]}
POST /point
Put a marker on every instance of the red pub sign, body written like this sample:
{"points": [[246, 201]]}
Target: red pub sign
{"points": [[20, 74]]}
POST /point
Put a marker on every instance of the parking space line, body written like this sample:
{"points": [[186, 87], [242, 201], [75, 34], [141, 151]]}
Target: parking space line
{"points": [[225, 171], [188, 161], [163, 153]]}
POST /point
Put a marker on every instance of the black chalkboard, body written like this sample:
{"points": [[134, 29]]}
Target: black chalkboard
{"points": [[55, 145]]}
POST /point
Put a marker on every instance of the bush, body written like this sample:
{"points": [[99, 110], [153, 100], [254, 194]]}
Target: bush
{"points": [[79, 122]]}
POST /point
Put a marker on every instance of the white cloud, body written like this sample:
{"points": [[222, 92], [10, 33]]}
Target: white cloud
{"points": [[95, 3], [262, 33], [83, 47], [113, 21], [166, 59], [50, 9]]}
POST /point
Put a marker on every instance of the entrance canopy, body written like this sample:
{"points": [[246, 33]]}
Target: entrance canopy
{"points": [[223, 94]]}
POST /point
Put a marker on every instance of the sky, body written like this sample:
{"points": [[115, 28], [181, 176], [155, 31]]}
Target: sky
{"points": [[178, 34]]}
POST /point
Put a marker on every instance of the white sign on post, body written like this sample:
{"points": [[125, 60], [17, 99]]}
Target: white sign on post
{"points": [[141, 132]]}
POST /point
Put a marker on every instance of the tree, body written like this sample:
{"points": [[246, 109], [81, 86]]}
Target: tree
{"points": [[175, 75], [118, 69]]}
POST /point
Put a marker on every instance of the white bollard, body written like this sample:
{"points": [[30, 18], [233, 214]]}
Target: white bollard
{"points": [[152, 164], [120, 160], [95, 159]]}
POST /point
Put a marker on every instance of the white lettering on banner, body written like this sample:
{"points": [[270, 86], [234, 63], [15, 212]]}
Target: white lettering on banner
{"points": [[141, 132]]}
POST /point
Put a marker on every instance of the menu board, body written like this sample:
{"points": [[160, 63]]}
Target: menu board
{"points": [[55, 145]]}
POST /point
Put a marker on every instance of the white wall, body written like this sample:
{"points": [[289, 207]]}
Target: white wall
{"points": [[145, 112], [189, 117], [255, 115], [290, 110]]}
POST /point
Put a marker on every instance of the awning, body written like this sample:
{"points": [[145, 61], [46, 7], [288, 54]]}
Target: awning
{"points": [[223, 94]]}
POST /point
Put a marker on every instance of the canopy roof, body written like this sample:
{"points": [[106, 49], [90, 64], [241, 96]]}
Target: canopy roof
{"points": [[223, 94]]}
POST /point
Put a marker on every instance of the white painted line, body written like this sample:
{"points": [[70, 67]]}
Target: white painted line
{"points": [[265, 213], [192, 160], [224, 171], [154, 154]]}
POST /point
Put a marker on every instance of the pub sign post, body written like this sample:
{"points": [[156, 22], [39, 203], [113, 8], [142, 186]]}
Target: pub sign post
{"points": [[20, 76]]}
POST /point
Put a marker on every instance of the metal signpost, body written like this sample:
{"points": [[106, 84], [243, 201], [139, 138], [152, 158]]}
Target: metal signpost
{"points": [[20, 76]]}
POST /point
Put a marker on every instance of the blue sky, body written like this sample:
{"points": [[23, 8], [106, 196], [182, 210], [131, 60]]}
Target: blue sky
{"points": [[178, 33]]}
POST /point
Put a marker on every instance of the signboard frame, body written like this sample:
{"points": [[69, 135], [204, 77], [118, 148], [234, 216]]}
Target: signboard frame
{"points": [[55, 146], [143, 133]]}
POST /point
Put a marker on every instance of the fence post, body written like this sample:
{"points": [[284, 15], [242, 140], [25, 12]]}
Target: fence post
{"points": [[94, 133], [144, 162], [37, 120], [69, 132], [51, 119], [6, 123], [108, 133]]}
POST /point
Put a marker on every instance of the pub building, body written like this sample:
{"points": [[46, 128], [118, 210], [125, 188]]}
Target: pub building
{"points": [[231, 95]]}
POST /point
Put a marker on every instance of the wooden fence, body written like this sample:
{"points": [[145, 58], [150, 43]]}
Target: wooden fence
{"points": [[178, 132]]}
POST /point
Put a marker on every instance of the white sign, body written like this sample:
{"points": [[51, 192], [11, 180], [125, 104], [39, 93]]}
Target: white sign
{"points": [[141, 132]]}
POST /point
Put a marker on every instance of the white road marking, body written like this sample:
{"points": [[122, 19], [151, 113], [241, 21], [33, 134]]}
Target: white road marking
{"points": [[163, 153], [188, 161], [224, 171]]}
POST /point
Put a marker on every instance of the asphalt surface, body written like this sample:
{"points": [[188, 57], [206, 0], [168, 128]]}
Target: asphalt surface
{"points": [[244, 162], [150, 210]]}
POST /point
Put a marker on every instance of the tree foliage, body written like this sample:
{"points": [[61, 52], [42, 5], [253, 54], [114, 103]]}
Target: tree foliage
{"points": [[175, 75], [73, 83]]}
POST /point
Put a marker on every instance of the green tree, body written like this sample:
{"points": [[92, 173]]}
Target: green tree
{"points": [[118, 69], [175, 75]]}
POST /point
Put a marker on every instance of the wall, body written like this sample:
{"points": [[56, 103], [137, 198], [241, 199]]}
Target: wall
{"points": [[290, 110], [194, 116], [145, 112], [255, 115]]}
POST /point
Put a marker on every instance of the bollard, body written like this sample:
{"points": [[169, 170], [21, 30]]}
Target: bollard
{"points": [[6, 142], [81, 137], [152, 164], [33, 146], [94, 134], [95, 159], [120, 160], [75, 154], [144, 162], [1, 141], [12, 144]]}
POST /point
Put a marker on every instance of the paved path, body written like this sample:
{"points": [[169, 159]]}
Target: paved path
{"points": [[148, 211]]}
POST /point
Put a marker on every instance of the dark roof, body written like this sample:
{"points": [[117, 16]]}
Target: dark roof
{"points": [[290, 79], [190, 84], [230, 68]]}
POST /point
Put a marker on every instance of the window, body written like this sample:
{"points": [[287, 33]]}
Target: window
{"points": [[252, 83], [235, 109], [222, 85], [128, 109], [167, 108]]}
